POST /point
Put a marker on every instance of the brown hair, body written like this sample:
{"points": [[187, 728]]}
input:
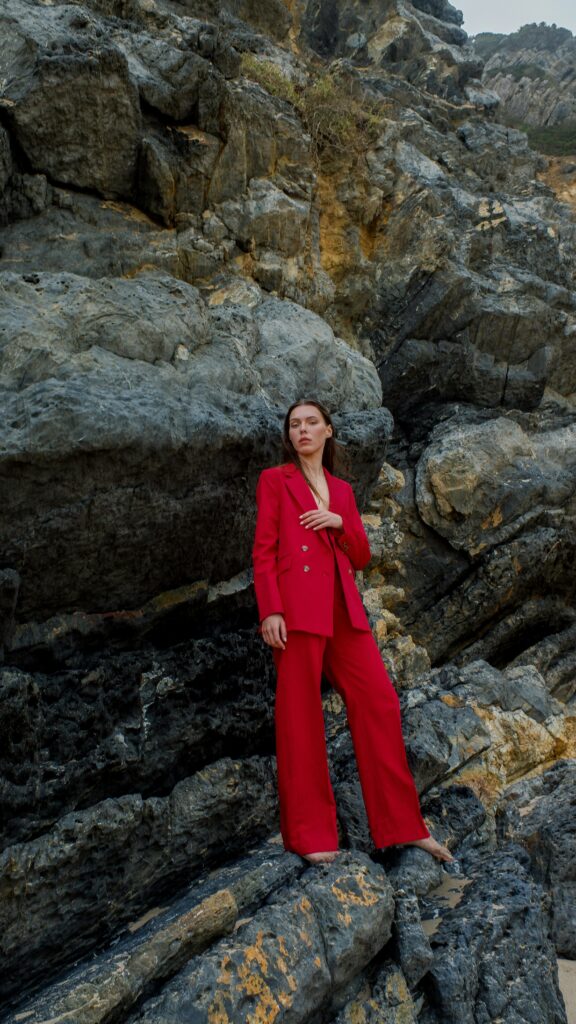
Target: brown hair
{"points": [[331, 453]]}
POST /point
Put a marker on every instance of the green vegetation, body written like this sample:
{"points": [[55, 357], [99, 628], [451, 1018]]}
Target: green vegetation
{"points": [[558, 140], [269, 76], [336, 120], [538, 37], [486, 43]]}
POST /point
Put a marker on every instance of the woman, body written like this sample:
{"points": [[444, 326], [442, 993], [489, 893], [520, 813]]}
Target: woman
{"points": [[309, 540]]}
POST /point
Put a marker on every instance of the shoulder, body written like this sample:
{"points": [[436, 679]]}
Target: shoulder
{"points": [[271, 474], [272, 477], [278, 472]]}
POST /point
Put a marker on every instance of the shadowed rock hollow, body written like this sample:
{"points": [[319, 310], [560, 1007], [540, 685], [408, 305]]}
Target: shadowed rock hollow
{"points": [[208, 210]]}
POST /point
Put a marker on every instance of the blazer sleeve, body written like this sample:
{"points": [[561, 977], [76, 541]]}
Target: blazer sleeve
{"points": [[265, 548], [352, 537]]}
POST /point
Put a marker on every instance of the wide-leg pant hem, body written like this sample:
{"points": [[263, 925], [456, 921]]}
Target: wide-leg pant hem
{"points": [[394, 838]]}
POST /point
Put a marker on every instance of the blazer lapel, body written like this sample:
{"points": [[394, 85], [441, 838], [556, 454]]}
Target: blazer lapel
{"points": [[303, 495]]}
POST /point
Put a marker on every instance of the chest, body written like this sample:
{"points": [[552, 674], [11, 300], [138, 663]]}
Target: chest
{"points": [[322, 497]]}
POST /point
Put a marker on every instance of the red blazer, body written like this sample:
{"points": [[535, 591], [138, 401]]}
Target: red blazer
{"points": [[294, 567]]}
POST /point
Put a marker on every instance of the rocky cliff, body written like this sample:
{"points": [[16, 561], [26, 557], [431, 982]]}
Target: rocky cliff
{"points": [[208, 210], [533, 73]]}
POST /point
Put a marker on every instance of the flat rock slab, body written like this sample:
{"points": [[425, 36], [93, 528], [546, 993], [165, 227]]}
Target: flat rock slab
{"points": [[109, 863], [157, 945], [285, 963]]}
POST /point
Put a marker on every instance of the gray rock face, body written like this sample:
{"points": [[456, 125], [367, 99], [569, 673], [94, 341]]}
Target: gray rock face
{"points": [[108, 863], [492, 951], [539, 814], [135, 385], [497, 569], [140, 721], [533, 472], [422, 39], [532, 71], [55, 64], [299, 950], [152, 950]]}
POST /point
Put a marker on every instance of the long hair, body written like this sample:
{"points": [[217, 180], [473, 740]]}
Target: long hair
{"points": [[331, 453]]}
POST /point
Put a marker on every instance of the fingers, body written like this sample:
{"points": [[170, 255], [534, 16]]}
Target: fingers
{"points": [[275, 634], [316, 520]]}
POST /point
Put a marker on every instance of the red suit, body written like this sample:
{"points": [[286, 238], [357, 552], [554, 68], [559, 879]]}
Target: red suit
{"points": [[308, 577]]}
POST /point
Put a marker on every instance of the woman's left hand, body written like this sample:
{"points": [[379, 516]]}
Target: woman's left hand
{"points": [[319, 519]]}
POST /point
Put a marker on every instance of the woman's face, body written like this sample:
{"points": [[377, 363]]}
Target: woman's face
{"points": [[308, 430]]}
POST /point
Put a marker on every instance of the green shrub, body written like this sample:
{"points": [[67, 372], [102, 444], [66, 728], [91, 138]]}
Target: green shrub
{"points": [[336, 120], [557, 140], [538, 37], [269, 76]]}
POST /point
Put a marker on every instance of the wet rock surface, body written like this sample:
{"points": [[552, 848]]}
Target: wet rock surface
{"points": [[190, 239]]}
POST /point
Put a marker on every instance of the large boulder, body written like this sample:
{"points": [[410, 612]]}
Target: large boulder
{"points": [[69, 97], [162, 409]]}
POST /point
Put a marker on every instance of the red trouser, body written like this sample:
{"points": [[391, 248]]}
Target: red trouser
{"points": [[352, 663]]}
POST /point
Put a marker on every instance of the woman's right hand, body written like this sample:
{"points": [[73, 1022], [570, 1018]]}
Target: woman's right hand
{"points": [[274, 631]]}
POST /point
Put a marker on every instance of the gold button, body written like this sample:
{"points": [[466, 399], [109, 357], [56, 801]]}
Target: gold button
{"points": [[304, 547], [306, 568]]}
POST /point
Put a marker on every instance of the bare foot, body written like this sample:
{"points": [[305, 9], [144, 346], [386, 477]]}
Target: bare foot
{"points": [[324, 857], [433, 847]]}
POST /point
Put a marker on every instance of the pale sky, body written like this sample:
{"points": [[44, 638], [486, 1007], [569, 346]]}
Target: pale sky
{"points": [[509, 15]]}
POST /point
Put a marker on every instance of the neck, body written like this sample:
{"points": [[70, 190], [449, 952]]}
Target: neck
{"points": [[312, 464]]}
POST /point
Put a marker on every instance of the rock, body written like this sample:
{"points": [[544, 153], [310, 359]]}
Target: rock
{"points": [[480, 727], [412, 946], [492, 953], [9, 585], [422, 41], [5, 159], [140, 381], [266, 218], [292, 953], [108, 863], [67, 94], [386, 999], [181, 256], [139, 720], [538, 813], [533, 472], [262, 132], [156, 946], [179, 84], [531, 70], [553, 656], [174, 172]]}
